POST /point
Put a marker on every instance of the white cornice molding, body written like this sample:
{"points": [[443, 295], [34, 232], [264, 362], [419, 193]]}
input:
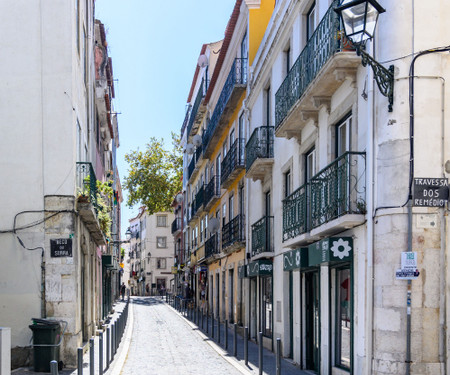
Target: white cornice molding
{"points": [[253, 4]]}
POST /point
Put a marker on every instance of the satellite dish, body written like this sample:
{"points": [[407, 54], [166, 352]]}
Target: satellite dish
{"points": [[202, 61], [179, 198], [197, 140], [190, 148], [213, 225]]}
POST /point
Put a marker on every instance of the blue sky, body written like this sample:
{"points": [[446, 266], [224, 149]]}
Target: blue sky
{"points": [[154, 46]]}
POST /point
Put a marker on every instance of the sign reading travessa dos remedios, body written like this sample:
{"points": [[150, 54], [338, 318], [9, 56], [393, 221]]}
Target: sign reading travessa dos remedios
{"points": [[430, 192]]}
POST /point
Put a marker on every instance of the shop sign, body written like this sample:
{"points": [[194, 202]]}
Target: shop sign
{"points": [[332, 249], [294, 259], [61, 247], [199, 269], [242, 272], [260, 267], [174, 270], [430, 192]]}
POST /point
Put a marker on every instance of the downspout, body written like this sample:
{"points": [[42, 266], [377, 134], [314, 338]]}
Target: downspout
{"points": [[43, 310]]}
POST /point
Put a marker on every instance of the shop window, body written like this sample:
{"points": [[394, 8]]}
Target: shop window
{"points": [[343, 318], [267, 306]]}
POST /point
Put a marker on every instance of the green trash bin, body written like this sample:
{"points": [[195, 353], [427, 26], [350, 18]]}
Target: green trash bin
{"points": [[46, 340]]}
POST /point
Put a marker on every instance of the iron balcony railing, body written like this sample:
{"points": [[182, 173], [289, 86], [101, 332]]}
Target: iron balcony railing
{"points": [[195, 158], [262, 236], [233, 160], [322, 45], [260, 145], [87, 183], [198, 99], [176, 225], [199, 199], [212, 190], [339, 189], [295, 213], [212, 245], [237, 76], [186, 118], [233, 231]]}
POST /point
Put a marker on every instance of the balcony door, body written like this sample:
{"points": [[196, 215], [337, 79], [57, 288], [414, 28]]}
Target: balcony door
{"points": [[343, 145], [312, 321]]}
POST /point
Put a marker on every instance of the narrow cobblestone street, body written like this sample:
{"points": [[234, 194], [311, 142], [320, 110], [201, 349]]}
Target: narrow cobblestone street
{"points": [[163, 343]]}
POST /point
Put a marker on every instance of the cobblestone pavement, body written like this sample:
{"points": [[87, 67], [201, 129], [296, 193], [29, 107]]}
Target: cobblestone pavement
{"points": [[163, 343]]}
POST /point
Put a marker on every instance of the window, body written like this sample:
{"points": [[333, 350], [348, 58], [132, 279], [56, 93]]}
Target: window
{"points": [[161, 221], [343, 138], [231, 207], [287, 183], [161, 263], [218, 166], [232, 137], [161, 242], [267, 106], [310, 164], [224, 213], [311, 21], [287, 56], [224, 148], [343, 318]]}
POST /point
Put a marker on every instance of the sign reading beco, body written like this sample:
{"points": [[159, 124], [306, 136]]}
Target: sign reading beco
{"points": [[430, 192]]}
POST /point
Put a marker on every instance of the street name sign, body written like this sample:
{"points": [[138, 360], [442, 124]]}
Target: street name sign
{"points": [[430, 192], [61, 247]]}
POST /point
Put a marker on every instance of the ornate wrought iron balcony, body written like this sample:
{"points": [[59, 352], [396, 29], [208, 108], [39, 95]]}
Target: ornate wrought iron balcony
{"points": [[339, 189], [197, 109], [199, 201], [295, 213], [176, 225], [194, 165], [212, 246], [212, 192], [186, 119], [87, 184], [233, 163], [319, 70], [259, 152], [231, 92], [262, 236], [233, 233]]}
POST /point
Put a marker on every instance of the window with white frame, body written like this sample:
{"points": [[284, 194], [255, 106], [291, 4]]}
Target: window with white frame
{"points": [[161, 263], [311, 21], [161, 242], [161, 221]]}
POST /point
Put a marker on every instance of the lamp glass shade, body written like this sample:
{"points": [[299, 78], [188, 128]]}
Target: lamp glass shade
{"points": [[128, 234], [359, 18]]}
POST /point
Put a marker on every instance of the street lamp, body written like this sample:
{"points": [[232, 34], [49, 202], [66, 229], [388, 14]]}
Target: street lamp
{"points": [[359, 18], [128, 234]]}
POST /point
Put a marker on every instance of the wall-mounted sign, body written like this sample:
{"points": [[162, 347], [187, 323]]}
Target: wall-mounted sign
{"points": [[409, 269], [430, 192], [61, 247], [294, 259], [174, 270], [261, 267], [332, 249]]}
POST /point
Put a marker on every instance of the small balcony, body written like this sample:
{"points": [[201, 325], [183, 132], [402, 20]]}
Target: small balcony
{"points": [[87, 204], [232, 91], [186, 119], [259, 153], [198, 202], [262, 237], [295, 213], [212, 246], [233, 163], [325, 62], [194, 165], [233, 234], [176, 225], [212, 192], [338, 194], [198, 110]]}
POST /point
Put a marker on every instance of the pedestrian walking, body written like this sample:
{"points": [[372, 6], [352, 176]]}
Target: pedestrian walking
{"points": [[122, 290]]}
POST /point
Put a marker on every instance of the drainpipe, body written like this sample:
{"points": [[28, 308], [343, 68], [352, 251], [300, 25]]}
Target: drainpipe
{"points": [[43, 310]]}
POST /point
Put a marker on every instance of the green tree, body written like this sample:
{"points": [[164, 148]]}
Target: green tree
{"points": [[154, 175]]}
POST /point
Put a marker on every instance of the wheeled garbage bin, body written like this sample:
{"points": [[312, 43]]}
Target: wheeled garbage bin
{"points": [[46, 341]]}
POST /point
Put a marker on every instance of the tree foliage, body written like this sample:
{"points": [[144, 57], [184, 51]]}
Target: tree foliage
{"points": [[154, 175]]}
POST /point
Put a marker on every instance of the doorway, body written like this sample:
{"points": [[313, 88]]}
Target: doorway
{"points": [[312, 320]]}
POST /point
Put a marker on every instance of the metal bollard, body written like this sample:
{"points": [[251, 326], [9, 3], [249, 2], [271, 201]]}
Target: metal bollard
{"points": [[112, 341], [207, 323], [226, 334], [218, 329], [100, 354], [91, 356], [80, 361], [246, 345], [260, 353], [54, 367], [108, 343], [278, 356], [212, 327], [203, 315], [235, 340]]}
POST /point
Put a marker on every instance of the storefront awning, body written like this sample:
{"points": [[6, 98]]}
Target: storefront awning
{"points": [[295, 259], [261, 267], [330, 250]]}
